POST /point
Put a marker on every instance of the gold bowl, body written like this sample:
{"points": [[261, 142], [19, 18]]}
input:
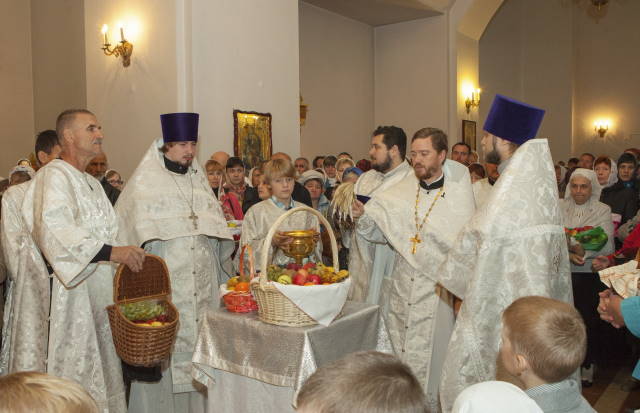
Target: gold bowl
{"points": [[302, 245]]}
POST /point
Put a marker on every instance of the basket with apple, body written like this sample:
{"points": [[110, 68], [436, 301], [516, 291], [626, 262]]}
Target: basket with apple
{"points": [[275, 286], [237, 296], [144, 321]]}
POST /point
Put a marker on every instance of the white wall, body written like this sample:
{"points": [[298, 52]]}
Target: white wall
{"points": [[128, 101], [577, 68], [412, 74], [59, 82], [16, 99], [606, 83], [466, 73], [245, 56], [336, 81]]}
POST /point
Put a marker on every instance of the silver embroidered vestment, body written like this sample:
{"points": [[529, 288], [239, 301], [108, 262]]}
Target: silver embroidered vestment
{"points": [[155, 209], [26, 327], [70, 219], [417, 311], [361, 252], [514, 246]]}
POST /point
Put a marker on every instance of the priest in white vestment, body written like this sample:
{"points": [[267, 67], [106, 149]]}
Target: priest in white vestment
{"points": [[419, 218], [25, 332], [514, 246], [388, 167], [26, 327], [74, 226], [168, 207]]}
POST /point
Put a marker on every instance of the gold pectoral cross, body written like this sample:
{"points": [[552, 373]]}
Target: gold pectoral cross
{"points": [[194, 218], [415, 240]]}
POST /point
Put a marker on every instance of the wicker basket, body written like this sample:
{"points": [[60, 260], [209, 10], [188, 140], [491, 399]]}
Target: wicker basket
{"points": [[273, 306], [242, 302], [136, 344]]}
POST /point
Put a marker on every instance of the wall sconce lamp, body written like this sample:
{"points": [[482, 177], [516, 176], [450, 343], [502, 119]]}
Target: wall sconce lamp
{"points": [[602, 127], [472, 99], [124, 49]]}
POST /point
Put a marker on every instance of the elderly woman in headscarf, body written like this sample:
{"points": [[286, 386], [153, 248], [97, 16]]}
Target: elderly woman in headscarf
{"points": [[20, 174], [581, 207]]}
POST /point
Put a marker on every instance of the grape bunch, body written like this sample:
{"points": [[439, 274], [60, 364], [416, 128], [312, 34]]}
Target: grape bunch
{"points": [[142, 310]]}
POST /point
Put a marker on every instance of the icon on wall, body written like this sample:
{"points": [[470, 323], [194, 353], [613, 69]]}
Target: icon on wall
{"points": [[252, 137], [469, 133]]}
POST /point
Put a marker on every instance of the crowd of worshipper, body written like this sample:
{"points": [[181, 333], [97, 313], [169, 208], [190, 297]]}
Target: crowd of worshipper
{"points": [[491, 305]]}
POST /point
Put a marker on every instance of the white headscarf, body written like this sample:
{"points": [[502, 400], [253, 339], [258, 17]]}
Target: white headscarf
{"points": [[22, 168], [494, 397], [596, 188], [613, 174], [250, 177]]}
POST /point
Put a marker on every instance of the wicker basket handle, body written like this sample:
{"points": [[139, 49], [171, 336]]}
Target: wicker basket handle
{"points": [[252, 267], [267, 242]]}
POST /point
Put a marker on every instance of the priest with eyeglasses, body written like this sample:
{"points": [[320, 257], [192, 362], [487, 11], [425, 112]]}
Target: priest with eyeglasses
{"points": [[418, 220]]}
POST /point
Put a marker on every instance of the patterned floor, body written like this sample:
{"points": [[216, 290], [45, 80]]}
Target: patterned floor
{"points": [[605, 395]]}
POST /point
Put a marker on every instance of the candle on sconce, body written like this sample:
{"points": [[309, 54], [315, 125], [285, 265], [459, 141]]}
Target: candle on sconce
{"points": [[121, 33], [105, 29]]}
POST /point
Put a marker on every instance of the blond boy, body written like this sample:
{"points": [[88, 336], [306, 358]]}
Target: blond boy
{"points": [[32, 392], [279, 176], [543, 344], [365, 382]]}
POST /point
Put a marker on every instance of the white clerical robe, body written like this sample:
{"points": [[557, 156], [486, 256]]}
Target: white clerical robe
{"points": [[481, 191], [155, 210], [513, 247], [26, 326], [259, 219], [362, 253], [418, 312], [70, 219]]}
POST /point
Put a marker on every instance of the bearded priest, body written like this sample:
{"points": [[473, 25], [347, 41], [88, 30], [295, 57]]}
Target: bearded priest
{"points": [[514, 246], [388, 167], [168, 208], [419, 218]]}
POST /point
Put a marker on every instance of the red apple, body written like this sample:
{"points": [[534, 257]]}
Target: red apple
{"points": [[303, 272], [299, 279], [309, 265], [313, 278]]}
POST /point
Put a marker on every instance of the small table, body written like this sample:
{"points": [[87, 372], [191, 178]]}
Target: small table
{"points": [[251, 366]]}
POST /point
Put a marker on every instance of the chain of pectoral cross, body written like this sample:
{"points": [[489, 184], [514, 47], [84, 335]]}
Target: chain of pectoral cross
{"points": [[416, 238], [193, 217]]}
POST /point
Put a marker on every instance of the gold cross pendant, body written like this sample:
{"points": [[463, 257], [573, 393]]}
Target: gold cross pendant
{"points": [[415, 240]]}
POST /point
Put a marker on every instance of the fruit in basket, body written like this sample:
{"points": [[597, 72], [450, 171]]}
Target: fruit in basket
{"points": [[242, 286], [311, 272], [299, 279], [284, 279], [232, 282], [143, 310], [314, 279], [293, 266]]}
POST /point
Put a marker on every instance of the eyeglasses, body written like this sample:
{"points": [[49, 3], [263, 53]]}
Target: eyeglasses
{"points": [[116, 181]]}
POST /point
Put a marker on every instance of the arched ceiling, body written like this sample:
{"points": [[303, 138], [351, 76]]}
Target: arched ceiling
{"points": [[381, 12]]}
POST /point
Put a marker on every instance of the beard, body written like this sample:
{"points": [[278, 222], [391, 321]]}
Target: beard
{"points": [[186, 162], [492, 157], [383, 166], [424, 173]]}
